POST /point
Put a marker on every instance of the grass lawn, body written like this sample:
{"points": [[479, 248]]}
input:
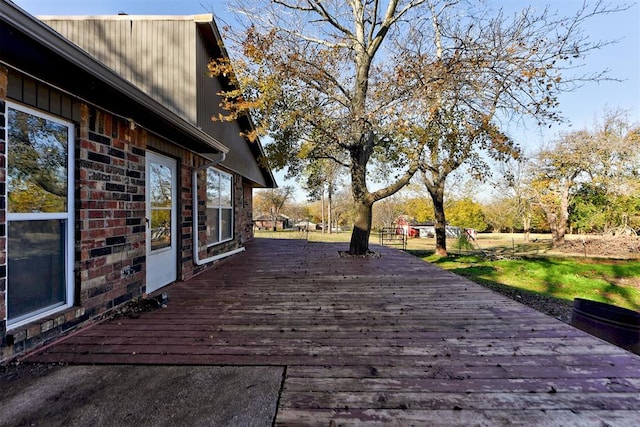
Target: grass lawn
{"points": [[611, 281], [530, 267]]}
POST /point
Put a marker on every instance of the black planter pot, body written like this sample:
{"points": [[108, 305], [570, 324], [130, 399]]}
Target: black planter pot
{"points": [[617, 325]]}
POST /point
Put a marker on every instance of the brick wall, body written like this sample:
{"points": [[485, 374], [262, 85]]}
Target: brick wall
{"points": [[186, 221], [245, 214], [110, 229]]}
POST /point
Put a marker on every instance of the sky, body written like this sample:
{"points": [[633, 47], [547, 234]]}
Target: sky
{"points": [[580, 108]]}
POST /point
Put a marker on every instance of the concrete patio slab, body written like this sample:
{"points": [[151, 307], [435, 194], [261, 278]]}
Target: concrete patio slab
{"points": [[49, 395]]}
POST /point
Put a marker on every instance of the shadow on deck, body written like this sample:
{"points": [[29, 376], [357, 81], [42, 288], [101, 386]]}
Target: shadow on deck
{"points": [[382, 341]]}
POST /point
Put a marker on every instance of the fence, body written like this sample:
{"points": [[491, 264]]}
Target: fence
{"points": [[393, 237]]}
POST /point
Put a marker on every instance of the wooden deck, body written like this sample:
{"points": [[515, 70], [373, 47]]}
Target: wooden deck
{"points": [[385, 341]]}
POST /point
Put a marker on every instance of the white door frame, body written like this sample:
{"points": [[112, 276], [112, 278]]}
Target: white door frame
{"points": [[162, 261]]}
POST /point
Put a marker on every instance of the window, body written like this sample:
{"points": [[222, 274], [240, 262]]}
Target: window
{"points": [[160, 204], [219, 223], [39, 214]]}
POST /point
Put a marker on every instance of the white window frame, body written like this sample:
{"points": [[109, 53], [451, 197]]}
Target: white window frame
{"points": [[68, 217], [220, 207]]}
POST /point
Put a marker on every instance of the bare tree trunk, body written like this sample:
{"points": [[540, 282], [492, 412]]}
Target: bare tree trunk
{"points": [[362, 198], [361, 230], [441, 224], [564, 214], [561, 231], [553, 224], [557, 230], [274, 218], [558, 223], [436, 191]]}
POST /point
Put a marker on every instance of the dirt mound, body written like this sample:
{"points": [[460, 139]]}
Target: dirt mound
{"points": [[619, 246]]}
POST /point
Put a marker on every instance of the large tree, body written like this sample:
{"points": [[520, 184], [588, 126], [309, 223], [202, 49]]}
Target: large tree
{"points": [[320, 80], [555, 172], [615, 170], [366, 82]]}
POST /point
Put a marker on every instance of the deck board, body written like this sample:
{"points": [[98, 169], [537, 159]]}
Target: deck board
{"points": [[380, 341]]}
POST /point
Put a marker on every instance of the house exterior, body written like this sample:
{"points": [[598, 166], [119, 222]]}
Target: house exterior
{"points": [[115, 181], [266, 222], [407, 226]]}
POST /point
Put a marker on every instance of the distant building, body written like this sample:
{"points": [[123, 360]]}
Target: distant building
{"points": [[267, 222], [412, 228]]}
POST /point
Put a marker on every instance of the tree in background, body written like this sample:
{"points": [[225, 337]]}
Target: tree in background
{"points": [[500, 215], [475, 71], [343, 213], [418, 208], [615, 170], [555, 171], [609, 201], [387, 211], [589, 210], [466, 213], [598, 165], [272, 201], [515, 195], [322, 178]]}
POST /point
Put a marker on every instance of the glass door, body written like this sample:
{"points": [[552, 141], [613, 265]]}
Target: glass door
{"points": [[162, 251]]}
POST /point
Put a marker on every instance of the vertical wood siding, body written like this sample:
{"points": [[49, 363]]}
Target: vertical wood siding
{"points": [[207, 93], [38, 95], [158, 56], [226, 132]]}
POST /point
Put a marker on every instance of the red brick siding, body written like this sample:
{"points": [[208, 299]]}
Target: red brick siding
{"points": [[246, 214], [187, 267], [110, 229]]}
